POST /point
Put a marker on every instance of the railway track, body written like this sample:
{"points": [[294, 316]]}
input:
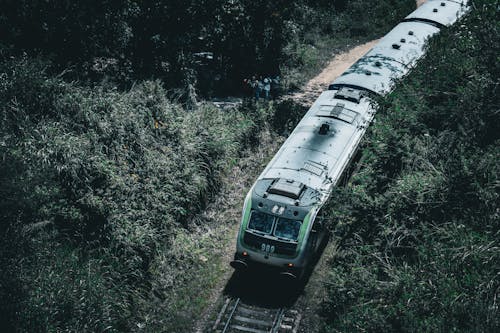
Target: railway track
{"points": [[237, 316]]}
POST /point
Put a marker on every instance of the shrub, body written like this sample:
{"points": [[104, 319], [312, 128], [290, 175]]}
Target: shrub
{"points": [[98, 181]]}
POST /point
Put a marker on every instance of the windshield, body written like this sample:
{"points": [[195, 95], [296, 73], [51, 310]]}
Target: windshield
{"points": [[283, 228], [288, 229], [261, 222]]}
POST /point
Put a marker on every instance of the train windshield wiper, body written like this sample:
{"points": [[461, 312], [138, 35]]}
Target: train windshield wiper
{"points": [[257, 232], [286, 239]]}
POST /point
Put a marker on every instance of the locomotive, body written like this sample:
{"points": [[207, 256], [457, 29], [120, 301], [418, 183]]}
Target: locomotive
{"points": [[280, 226]]}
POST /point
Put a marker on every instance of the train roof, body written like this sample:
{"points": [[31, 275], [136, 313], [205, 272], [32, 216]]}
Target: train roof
{"points": [[315, 153], [439, 12], [389, 60]]}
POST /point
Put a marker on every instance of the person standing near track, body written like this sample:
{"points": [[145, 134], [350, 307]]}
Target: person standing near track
{"points": [[260, 87], [254, 84], [267, 87]]}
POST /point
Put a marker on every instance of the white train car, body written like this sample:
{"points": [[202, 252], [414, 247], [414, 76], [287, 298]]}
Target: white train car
{"points": [[279, 226]]}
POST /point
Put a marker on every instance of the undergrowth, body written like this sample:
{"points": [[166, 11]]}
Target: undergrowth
{"points": [[94, 184], [419, 223]]}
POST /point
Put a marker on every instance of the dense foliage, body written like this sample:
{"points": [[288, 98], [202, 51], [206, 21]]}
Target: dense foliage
{"points": [[93, 182], [170, 39], [419, 223]]}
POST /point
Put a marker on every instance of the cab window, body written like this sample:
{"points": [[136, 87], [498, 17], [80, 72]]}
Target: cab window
{"points": [[261, 222], [286, 228]]}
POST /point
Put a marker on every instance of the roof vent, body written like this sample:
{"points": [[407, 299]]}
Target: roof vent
{"points": [[378, 64], [443, 4], [435, 10], [314, 168], [287, 188], [349, 94], [396, 46], [410, 33], [403, 40], [368, 73], [337, 109], [323, 130]]}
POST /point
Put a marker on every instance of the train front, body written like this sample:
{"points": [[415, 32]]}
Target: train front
{"points": [[276, 224]]}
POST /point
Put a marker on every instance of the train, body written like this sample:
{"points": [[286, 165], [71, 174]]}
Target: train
{"points": [[280, 223]]}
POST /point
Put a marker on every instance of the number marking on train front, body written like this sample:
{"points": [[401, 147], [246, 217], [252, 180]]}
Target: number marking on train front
{"points": [[267, 248]]}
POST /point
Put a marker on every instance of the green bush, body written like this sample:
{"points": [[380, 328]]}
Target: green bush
{"points": [[419, 222], [96, 182]]}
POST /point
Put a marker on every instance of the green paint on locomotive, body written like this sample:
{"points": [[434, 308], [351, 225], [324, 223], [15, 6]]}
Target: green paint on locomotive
{"points": [[303, 230], [246, 218], [301, 240]]}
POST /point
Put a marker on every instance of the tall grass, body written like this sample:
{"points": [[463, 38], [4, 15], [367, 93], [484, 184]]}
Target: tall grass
{"points": [[95, 183]]}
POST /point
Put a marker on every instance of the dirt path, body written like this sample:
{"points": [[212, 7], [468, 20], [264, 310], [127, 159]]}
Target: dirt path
{"points": [[335, 67]]}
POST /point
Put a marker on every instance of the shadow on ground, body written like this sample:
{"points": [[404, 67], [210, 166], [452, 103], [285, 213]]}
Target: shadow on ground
{"points": [[264, 287]]}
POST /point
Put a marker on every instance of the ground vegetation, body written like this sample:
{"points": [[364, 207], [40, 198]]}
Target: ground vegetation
{"points": [[418, 224]]}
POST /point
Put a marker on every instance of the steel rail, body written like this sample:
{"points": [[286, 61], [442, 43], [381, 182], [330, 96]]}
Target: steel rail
{"points": [[231, 315], [277, 320]]}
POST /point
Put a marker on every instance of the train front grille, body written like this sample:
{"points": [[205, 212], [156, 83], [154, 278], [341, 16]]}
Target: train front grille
{"points": [[269, 245]]}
